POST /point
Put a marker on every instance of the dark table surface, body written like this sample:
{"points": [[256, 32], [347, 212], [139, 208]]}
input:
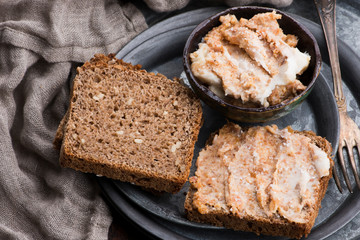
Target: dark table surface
{"points": [[121, 229]]}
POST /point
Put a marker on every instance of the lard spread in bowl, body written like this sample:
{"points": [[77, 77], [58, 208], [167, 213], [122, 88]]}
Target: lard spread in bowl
{"points": [[253, 64]]}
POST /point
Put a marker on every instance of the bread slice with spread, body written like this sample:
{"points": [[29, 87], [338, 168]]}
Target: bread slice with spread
{"points": [[264, 180]]}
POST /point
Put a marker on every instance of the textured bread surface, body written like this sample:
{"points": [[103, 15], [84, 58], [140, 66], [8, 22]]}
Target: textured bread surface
{"points": [[128, 124], [267, 221]]}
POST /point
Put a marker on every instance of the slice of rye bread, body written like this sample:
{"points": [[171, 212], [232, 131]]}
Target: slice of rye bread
{"points": [[99, 61], [275, 225], [131, 125]]}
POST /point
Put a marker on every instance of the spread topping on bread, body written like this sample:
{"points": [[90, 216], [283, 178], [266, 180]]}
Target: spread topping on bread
{"points": [[261, 172], [251, 60]]}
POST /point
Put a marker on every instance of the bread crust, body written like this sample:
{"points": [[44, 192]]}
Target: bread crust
{"points": [[117, 167], [267, 226], [118, 172], [60, 132]]}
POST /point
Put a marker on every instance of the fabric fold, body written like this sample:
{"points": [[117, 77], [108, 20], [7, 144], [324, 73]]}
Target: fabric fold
{"points": [[41, 42], [62, 31]]}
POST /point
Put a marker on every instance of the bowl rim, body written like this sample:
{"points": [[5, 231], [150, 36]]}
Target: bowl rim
{"points": [[220, 101]]}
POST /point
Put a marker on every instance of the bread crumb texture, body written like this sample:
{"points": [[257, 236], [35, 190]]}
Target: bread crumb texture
{"points": [[262, 179], [129, 124]]}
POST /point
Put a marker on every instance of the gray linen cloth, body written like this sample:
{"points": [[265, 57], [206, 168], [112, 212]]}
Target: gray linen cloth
{"points": [[40, 42]]}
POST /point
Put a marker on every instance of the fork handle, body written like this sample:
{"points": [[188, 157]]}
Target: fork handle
{"points": [[326, 10]]}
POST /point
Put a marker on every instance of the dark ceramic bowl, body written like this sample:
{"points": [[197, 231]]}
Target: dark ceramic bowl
{"points": [[307, 43]]}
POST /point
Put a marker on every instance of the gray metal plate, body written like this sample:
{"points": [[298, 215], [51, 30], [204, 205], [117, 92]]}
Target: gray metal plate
{"points": [[160, 49]]}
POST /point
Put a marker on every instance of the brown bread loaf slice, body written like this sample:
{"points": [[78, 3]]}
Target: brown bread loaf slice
{"points": [[261, 179], [128, 124], [99, 60]]}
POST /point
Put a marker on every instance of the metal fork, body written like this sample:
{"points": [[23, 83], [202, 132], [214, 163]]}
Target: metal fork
{"points": [[349, 131]]}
